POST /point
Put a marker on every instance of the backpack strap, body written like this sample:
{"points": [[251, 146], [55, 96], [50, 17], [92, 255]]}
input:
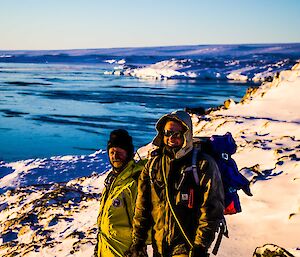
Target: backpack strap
{"points": [[196, 163], [196, 150], [152, 161], [173, 212]]}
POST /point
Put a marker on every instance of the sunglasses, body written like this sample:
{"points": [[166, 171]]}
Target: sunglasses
{"points": [[174, 134]]}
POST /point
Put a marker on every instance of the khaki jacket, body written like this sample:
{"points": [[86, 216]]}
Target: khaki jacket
{"points": [[198, 208]]}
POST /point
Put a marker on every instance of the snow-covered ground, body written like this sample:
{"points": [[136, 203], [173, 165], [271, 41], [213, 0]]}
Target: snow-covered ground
{"points": [[266, 126], [46, 210]]}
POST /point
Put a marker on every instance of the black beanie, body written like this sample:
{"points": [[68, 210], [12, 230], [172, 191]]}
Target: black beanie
{"points": [[121, 138]]}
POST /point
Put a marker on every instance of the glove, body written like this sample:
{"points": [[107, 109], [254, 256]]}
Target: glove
{"points": [[136, 252], [200, 251], [247, 190]]}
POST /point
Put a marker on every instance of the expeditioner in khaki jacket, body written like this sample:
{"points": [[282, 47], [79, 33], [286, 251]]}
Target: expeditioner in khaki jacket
{"points": [[182, 214]]}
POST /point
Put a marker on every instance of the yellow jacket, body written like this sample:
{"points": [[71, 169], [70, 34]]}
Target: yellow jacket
{"points": [[117, 206]]}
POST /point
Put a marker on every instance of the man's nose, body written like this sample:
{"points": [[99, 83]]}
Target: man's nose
{"points": [[115, 155], [172, 137]]}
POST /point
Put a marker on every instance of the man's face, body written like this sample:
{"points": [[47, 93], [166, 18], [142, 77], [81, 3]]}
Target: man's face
{"points": [[117, 157], [173, 134]]}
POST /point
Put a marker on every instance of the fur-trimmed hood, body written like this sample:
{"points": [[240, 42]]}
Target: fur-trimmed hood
{"points": [[185, 119]]}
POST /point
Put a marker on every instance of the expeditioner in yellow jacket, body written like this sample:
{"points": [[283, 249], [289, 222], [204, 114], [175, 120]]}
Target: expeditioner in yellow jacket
{"points": [[118, 198]]}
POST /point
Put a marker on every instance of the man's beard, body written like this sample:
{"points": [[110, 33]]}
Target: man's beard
{"points": [[118, 164]]}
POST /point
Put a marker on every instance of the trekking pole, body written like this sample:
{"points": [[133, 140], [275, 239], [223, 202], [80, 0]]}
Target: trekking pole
{"points": [[223, 231], [138, 155]]}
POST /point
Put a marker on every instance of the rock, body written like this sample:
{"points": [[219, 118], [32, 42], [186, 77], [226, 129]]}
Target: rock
{"points": [[53, 221], [3, 206], [24, 229], [296, 66], [195, 110], [9, 236], [229, 103], [271, 250], [250, 92], [29, 219], [76, 234]]}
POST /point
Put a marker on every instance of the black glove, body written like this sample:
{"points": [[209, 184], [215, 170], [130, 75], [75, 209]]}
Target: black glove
{"points": [[200, 251], [135, 251], [247, 190]]}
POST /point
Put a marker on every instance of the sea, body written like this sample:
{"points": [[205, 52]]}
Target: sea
{"points": [[65, 102], [70, 109]]}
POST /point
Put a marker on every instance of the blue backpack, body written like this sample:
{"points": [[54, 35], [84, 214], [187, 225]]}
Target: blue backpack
{"points": [[221, 147]]}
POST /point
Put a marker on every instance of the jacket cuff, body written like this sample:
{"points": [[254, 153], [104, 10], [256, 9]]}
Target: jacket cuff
{"points": [[199, 251]]}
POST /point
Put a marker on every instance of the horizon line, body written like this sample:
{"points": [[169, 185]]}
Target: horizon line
{"points": [[154, 46]]}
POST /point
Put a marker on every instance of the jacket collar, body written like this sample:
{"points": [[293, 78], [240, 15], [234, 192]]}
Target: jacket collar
{"points": [[130, 170]]}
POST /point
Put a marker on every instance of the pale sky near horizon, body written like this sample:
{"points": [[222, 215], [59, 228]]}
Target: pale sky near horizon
{"points": [[73, 24]]}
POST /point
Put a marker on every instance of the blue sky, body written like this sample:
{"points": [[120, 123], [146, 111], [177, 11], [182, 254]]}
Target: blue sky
{"points": [[70, 24]]}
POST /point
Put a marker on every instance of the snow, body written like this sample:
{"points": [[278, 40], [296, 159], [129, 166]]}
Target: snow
{"points": [[237, 76], [110, 61], [121, 62], [113, 61], [53, 170], [238, 70], [49, 207], [266, 126], [5, 56]]}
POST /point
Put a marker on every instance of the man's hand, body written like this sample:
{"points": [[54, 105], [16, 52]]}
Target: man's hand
{"points": [[136, 252]]}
